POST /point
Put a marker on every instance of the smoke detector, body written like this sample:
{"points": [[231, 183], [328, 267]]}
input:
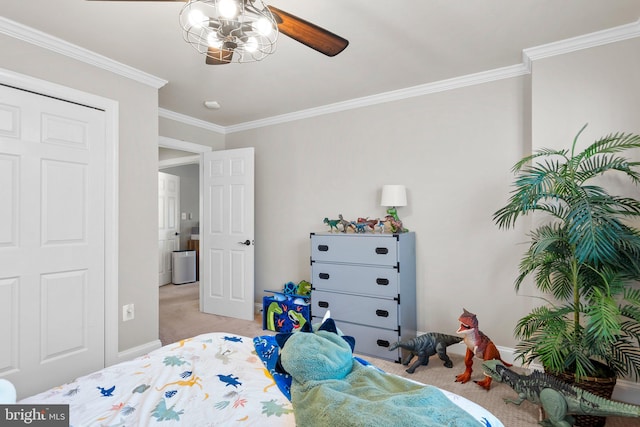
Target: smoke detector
{"points": [[212, 105]]}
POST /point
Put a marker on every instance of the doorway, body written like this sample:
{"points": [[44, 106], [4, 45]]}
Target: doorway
{"points": [[182, 159], [226, 179]]}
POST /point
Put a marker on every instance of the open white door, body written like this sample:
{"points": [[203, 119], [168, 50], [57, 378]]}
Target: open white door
{"points": [[226, 233], [168, 224]]}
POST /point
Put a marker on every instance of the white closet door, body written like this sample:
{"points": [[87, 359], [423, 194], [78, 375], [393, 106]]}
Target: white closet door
{"points": [[52, 243]]}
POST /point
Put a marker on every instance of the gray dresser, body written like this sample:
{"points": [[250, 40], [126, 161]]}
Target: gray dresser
{"points": [[368, 282]]}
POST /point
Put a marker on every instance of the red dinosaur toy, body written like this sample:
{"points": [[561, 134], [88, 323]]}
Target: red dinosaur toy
{"points": [[479, 345]]}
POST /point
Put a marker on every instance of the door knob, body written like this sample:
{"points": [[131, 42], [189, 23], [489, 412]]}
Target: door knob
{"points": [[246, 242], [177, 234]]}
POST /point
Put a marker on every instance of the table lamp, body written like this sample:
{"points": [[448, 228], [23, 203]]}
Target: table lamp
{"points": [[393, 196]]}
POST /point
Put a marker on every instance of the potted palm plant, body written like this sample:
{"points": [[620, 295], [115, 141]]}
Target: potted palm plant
{"points": [[584, 258]]}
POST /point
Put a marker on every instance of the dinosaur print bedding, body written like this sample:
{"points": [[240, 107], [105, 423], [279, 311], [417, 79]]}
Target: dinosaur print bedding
{"points": [[208, 380], [214, 379]]}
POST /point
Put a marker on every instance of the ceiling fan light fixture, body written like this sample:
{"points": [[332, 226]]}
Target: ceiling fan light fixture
{"points": [[251, 44], [246, 27], [213, 40], [197, 19], [263, 26], [228, 8]]}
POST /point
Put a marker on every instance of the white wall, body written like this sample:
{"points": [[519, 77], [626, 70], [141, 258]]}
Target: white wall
{"points": [[453, 151], [599, 86]]}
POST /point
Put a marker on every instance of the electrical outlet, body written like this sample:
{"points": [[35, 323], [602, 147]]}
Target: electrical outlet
{"points": [[128, 312]]}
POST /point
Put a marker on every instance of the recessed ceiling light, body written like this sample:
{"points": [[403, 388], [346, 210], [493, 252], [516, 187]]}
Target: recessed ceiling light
{"points": [[212, 105]]}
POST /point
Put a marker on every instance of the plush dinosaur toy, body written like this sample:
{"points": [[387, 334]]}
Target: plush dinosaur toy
{"points": [[478, 345], [331, 388]]}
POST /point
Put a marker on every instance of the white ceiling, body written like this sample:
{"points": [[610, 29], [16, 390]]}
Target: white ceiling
{"points": [[393, 45]]}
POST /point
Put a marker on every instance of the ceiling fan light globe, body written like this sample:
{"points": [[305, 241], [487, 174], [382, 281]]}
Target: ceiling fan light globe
{"points": [[213, 40], [197, 19], [251, 44], [263, 26], [228, 8]]}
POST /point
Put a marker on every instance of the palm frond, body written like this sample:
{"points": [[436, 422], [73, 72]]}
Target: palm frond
{"points": [[594, 166], [543, 152]]}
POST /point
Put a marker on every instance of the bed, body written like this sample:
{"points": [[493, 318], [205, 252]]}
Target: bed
{"points": [[210, 379]]}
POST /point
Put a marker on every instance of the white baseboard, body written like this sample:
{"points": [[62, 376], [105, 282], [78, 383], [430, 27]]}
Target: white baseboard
{"points": [[140, 350], [257, 308], [625, 390]]}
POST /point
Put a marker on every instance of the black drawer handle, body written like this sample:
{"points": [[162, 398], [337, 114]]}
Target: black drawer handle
{"points": [[382, 251], [323, 304], [383, 343], [323, 248], [323, 275], [382, 282], [382, 313]]}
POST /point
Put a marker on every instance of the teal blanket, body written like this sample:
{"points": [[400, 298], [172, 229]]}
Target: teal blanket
{"points": [[329, 388]]}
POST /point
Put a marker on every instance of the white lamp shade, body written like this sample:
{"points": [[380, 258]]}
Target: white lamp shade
{"points": [[393, 195]]}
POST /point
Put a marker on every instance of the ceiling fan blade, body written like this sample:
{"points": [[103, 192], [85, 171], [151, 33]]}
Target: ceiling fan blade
{"points": [[217, 56], [309, 34]]}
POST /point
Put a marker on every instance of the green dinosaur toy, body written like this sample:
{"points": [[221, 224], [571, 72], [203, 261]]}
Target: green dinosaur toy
{"points": [[559, 400], [425, 346], [272, 310], [304, 288]]}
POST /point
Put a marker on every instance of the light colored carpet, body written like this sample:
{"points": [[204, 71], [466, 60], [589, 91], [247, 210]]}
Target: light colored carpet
{"points": [[180, 318]]}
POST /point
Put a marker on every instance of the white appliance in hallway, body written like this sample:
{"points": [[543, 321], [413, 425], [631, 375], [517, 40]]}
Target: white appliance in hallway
{"points": [[184, 267]]}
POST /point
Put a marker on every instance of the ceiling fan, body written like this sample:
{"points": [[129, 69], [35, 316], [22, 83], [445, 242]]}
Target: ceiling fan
{"points": [[219, 37]]}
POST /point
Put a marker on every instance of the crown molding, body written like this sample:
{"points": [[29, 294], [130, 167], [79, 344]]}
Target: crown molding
{"points": [[587, 41], [188, 120], [49, 42], [177, 144], [395, 95]]}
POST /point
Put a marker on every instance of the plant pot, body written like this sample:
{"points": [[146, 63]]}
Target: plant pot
{"points": [[600, 386]]}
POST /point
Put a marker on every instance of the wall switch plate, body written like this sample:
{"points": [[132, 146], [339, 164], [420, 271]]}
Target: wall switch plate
{"points": [[128, 312]]}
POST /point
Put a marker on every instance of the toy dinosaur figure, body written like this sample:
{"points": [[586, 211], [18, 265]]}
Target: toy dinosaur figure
{"points": [[395, 225], [478, 345], [332, 223], [425, 346], [559, 399], [345, 224]]}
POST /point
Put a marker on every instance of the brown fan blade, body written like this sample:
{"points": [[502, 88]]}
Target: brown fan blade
{"points": [[217, 56], [309, 34]]}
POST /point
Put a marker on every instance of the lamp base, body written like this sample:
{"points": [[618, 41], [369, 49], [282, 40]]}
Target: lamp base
{"points": [[392, 211]]}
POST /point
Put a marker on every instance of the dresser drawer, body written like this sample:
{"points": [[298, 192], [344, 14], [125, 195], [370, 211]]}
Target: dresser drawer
{"points": [[378, 312], [371, 341], [355, 279], [381, 250]]}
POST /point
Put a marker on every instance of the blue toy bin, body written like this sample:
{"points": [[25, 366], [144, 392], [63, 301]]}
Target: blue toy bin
{"points": [[285, 312]]}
